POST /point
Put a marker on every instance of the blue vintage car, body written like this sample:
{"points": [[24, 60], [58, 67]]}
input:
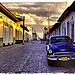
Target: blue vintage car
{"points": [[60, 48]]}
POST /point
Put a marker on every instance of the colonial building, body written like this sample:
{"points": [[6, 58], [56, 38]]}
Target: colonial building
{"points": [[55, 30], [10, 27], [67, 20], [30, 32], [7, 24], [67, 23], [18, 29]]}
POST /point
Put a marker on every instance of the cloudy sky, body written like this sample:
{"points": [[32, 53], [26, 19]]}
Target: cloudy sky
{"points": [[36, 13]]}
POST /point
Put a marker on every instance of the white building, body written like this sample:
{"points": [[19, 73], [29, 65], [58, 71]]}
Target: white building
{"points": [[67, 20], [55, 30]]}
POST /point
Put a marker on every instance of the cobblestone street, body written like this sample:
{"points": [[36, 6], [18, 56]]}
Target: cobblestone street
{"points": [[28, 58]]}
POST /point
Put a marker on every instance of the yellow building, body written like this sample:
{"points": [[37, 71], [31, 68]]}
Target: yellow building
{"points": [[9, 27], [18, 29]]}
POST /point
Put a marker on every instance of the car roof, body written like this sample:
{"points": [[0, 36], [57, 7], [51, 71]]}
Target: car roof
{"points": [[59, 36]]}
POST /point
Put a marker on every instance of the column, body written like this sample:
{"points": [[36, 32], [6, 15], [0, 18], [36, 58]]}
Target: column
{"points": [[1, 29], [66, 27]]}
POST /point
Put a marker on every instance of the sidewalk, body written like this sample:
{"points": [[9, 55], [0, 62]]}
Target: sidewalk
{"points": [[5, 48]]}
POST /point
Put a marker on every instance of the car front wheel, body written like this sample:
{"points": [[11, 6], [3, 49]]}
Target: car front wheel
{"points": [[49, 62]]}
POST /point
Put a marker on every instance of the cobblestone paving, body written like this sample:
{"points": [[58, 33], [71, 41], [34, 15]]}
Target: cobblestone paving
{"points": [[28, 58]]}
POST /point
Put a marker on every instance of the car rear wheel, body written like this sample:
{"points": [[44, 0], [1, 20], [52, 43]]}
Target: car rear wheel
{"points": [[51, 62]]}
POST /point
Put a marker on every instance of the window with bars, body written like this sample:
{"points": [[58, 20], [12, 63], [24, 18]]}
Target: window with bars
{"points": [[70, 29], [72, 32]]}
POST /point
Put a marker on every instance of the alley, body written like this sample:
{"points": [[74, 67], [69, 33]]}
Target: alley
{"points": [[28, 58]]}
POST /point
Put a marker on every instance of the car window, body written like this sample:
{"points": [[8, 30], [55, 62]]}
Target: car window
{"points": [[60, 39]]}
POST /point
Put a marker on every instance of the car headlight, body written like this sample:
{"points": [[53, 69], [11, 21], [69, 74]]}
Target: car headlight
{"points": [[47, 47], [50, 51]]}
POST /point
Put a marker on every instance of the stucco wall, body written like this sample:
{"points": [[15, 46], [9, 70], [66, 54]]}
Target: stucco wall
{"points": [[71, 19]]}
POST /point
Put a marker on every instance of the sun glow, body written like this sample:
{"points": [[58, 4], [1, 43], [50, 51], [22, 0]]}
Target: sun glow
{"points": [[69, 2]]}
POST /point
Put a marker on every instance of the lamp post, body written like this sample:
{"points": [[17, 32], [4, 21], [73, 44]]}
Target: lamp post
{"points": [[23, 28]]}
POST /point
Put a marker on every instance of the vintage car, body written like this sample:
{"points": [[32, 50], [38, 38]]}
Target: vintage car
{"points": [[60, 48]]}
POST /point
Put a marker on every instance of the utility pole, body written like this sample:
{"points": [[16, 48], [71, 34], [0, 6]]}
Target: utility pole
{"points": [[48, 33], [48, 17], [23, 28]]}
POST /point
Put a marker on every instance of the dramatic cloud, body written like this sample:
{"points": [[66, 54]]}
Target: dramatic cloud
{"points": [[37, 8], [28, 19], [37, 13]]}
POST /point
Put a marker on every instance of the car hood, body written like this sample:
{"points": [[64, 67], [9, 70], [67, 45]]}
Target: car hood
{"points": [[62, 47]]}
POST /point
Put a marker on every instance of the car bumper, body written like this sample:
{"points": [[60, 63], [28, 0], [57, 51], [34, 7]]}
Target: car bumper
{"points": [[61, 57]]}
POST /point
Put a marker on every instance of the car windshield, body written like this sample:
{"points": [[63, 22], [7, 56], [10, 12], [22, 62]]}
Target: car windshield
{"points": [[60, 39]]}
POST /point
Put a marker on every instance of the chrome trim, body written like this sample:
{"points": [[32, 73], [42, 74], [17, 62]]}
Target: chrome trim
{"points": [[60, 59], [63, 49], [63, 53], [69, 55]]}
